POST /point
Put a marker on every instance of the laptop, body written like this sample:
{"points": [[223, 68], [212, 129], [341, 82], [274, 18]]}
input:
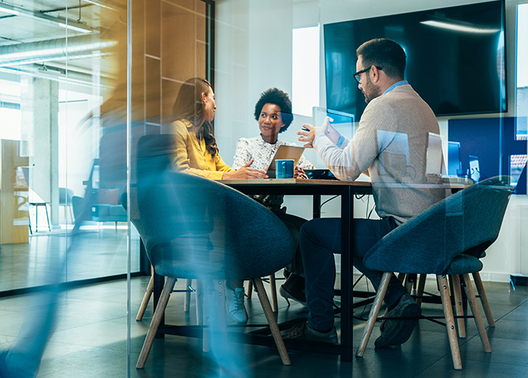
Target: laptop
{"points": [[285, 152]]}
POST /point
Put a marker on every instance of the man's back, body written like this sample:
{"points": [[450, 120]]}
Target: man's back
{"points": [[401, 122]]}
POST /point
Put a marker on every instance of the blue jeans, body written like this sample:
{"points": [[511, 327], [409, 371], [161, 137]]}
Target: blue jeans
{"points": [[319, 240]]}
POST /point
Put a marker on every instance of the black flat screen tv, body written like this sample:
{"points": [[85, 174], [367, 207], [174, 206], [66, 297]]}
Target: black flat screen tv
{"points": [[455, 58]]}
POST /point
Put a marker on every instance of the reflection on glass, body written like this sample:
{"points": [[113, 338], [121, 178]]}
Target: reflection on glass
{"points": [[62, 75]]}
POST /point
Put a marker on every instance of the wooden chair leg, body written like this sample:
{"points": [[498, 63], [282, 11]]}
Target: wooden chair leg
{"points": [[378, 300], [273, 289], [187, 299], [409, 282], [250, 289], [205, 311], [420, 289], [156, 320], [146, 298], [457, 289], [199, 301], [450, 321], [264, 301], [468, 287], [483, 299]]}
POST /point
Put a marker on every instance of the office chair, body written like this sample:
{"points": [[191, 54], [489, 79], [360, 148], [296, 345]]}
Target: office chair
{"points": [[444, 240], [197, 228]]}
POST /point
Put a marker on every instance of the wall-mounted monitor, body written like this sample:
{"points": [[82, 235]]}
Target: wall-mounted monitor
{"points": [[455, 57], [489, 147]]}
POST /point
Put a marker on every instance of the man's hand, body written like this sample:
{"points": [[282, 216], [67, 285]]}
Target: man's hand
{"points": [[309, 132], [307, 135]]}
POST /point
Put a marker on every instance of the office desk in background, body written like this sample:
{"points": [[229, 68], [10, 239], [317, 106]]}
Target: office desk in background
{"points": [[346, 190]]}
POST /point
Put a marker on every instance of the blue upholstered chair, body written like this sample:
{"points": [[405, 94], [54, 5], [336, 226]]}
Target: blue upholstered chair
{"points": [[446, 239], [197, 228]]}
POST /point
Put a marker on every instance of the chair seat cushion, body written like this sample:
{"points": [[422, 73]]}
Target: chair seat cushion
{"points": [[462, 264]]}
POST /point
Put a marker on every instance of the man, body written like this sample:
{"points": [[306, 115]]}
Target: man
{"points": [[390, 146]]}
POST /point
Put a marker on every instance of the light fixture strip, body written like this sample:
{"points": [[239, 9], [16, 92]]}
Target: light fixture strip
{"points": [[60, 21]]}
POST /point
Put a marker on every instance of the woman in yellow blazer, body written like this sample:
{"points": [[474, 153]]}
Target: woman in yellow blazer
{"points": [[196, 152], [195, 149]]}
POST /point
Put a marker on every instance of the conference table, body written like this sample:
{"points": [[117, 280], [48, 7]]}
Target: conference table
{"points": [[316, 188]]}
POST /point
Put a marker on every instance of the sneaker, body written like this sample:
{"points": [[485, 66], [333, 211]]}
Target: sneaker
{"points": [[304, 331], [235, 305], [293, 288], [398, 331]]}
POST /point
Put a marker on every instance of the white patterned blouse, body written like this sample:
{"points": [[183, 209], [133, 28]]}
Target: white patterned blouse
{"points": [[262, 153]]}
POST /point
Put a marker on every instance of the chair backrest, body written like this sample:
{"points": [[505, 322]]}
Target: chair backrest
{"points": [[466, 222], [65, 196], [187, 222]]}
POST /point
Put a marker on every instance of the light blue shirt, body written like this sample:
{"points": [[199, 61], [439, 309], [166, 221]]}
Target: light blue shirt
{"points": [[398, 84]]}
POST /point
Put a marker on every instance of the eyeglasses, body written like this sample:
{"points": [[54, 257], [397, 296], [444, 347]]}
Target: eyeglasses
{"points": [[357, 74]]}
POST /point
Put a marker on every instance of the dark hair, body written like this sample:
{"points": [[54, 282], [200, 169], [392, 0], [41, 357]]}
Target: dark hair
{"points": [[189, 106], [277, 97], [384, 53]]}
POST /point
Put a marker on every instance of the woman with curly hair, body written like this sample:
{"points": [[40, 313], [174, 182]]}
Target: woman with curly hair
{"points": [[273, 112]]}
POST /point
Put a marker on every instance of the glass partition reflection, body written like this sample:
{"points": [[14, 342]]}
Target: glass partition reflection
{"points": [[62, 88]]}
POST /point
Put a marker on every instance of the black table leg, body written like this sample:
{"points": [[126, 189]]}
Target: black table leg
{"points": [[347, 243]]}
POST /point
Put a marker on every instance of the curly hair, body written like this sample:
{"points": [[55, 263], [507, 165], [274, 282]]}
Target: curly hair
{"points": [[282, 100], [189, 106]]}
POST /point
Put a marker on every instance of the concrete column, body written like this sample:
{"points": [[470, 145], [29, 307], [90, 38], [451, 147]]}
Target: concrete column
{"points": [[43, 141]]}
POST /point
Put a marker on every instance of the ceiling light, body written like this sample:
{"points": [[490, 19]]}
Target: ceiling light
{"points": [[60, 21], [8, 10], [459, 27], [74, 28]]}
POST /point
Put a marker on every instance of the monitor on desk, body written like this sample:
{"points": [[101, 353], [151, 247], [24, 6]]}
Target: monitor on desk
{"points": [[454, 167]]}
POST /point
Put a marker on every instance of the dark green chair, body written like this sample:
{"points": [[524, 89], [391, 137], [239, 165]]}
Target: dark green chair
{"points": [[446, 239]]}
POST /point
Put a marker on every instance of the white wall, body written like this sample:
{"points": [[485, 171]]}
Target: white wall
{"points": [[254, 53]]}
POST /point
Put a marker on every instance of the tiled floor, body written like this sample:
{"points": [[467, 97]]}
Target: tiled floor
{"points": [[90, 340]]}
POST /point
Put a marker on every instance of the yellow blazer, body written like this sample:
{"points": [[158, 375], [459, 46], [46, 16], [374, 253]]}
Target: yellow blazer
{"points": [[191, 156]]}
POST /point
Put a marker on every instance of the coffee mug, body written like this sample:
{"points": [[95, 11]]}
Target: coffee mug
{"points": [[284, 168]]}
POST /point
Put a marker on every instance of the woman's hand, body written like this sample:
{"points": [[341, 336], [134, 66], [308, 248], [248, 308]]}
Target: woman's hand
{"points": [[245, 173]]}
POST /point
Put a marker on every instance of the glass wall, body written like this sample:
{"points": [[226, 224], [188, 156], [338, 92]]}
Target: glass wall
{"points": [[62, 88]]}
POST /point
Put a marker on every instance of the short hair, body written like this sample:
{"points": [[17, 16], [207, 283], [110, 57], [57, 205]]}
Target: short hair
{"points": [[281, 99], [385, 53]]}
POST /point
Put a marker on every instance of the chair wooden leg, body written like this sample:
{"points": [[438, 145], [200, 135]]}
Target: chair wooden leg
{"points": [[378, 300], [273, 290], [420, 289], [409, 282], [187, 299], [476, 313], [199, 301], [450, 321], [205, 311], [264, 301], [156, 320], [250, 289], [146, 298], [457, 289], [483, 299]]}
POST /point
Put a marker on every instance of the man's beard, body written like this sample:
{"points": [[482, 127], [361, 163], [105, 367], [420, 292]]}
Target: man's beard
{"points": [[370, 91]]}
